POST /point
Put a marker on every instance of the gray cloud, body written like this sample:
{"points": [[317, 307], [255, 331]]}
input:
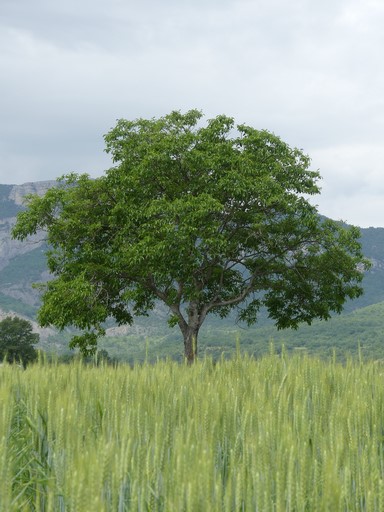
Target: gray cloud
{"points": [[308, 71]]}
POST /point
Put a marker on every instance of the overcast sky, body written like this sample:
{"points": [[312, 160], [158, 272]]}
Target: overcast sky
{"points": [[311, 72]]}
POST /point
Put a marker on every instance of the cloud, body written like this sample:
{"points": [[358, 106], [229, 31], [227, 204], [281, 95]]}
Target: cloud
{"points": [[308, 71], [352, 184]]}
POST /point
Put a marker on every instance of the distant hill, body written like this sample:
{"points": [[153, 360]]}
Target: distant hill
{"points": [[23, 263]]}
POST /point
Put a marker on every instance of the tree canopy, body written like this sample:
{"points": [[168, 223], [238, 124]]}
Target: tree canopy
{"points": [[17, 340], [205, 218]]}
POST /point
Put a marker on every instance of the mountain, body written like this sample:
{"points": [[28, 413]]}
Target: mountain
{"points": [[23, 263]]}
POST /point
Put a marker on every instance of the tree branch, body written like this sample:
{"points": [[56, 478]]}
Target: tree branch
{"points": [[174, 307], [212, 304]]}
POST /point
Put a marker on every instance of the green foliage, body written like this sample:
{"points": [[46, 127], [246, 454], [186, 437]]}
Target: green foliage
{"points": [[101, 357], [17, 340], [206, 219], [280, 433]]}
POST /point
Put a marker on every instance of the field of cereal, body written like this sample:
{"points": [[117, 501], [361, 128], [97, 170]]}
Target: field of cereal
{"points": [[275, 434]]}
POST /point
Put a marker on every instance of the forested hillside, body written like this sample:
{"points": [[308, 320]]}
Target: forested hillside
{"points": [[22, 264]]}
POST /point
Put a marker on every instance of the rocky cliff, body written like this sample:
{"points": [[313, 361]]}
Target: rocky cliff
{"points": [[11, 202], [21, 263]]}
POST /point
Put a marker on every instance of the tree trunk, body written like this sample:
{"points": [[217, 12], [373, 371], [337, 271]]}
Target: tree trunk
{"points": [[190, 343], [190, 329]]}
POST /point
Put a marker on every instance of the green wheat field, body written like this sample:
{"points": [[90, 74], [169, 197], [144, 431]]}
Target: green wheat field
{"points": [[282, 433]]}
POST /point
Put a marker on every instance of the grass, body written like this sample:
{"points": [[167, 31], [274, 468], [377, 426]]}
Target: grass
{"points": [[344, 334], [276, 434]]}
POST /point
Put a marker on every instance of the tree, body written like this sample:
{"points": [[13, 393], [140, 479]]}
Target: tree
{"points": [[17, 340], [204, 218]]}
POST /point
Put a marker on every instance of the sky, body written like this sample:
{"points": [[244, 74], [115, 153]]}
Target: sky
{"points": [[311, 72]]}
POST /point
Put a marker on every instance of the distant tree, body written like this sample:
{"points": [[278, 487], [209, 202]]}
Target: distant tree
{"points": [[17, 340], [204, 218], [100, 357]]}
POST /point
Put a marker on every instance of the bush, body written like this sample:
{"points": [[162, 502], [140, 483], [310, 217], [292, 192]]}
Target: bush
{"points": [[17, 340]]}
